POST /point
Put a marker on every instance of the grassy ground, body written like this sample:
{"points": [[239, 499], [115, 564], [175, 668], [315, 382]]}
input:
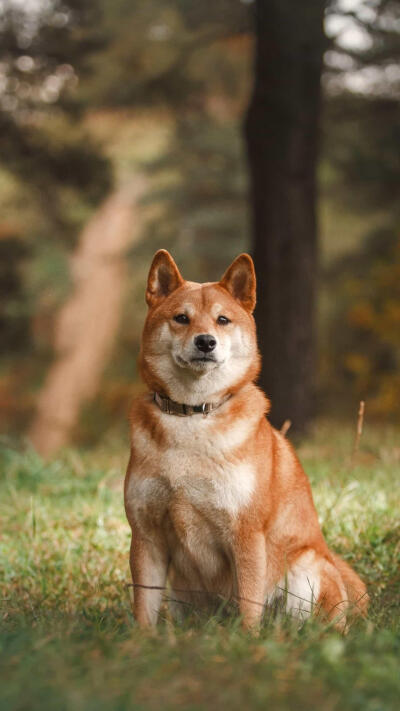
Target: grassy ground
{"points": [[67, 640]]}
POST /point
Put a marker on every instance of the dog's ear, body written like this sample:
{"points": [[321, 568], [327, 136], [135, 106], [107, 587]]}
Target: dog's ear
{"points": [[240, 280], [163, 279]]}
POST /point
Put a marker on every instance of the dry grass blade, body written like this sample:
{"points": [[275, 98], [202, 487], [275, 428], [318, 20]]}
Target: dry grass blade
{"points": [[360, 424], [286, 427]]}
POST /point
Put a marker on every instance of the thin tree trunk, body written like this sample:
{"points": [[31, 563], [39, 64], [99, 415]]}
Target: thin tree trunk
{"points": [[282, 139]]}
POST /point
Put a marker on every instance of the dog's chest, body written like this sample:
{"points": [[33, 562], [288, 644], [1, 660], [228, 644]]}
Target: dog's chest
{"points": [[196, 472]]}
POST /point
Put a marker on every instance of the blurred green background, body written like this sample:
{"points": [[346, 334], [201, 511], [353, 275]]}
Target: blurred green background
{"points": [[122, 133]]}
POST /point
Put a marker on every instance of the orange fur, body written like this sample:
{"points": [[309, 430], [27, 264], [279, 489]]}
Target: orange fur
{"points": [[220, 505]]}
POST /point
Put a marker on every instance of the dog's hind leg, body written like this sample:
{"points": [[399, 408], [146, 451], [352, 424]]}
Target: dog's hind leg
{"points": [[313, 585], [355, 588], [333, 601]]}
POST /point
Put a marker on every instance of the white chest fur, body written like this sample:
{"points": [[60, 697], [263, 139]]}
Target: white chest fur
{"points": [[226, 489], [198, 467]]}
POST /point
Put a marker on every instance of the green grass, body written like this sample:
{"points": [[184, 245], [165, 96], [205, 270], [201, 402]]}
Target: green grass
{"points": [[67, 639]]}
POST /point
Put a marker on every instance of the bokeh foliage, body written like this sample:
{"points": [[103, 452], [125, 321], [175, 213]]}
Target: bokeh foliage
{"points": [[96, 92], [52, 176]]}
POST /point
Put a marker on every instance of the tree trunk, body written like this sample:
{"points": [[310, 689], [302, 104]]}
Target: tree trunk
{"points": [[282, 139]]}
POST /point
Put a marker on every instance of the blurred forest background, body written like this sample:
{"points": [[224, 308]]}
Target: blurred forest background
{"points": [[122, 132]]}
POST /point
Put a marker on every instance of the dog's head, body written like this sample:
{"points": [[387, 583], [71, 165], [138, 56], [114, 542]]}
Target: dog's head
{"points": [[199, 340]]}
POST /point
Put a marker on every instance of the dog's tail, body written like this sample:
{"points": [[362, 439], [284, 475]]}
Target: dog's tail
{"points": [[355, 588]]}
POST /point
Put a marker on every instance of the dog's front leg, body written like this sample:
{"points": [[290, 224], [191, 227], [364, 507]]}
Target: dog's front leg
{"points": [[149, 563], [251, 570]]}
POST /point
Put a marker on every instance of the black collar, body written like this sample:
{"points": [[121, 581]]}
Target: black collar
{"points": [[176, 408]]}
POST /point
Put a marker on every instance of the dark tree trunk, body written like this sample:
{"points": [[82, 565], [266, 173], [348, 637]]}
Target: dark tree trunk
{"points": [[282, 139]]}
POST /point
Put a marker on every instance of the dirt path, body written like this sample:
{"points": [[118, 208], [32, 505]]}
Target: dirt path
{"points": [[87, 324]]}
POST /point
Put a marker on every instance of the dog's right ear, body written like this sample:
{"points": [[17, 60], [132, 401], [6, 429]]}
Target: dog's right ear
{"points": [[240, 280], [164, 277]]}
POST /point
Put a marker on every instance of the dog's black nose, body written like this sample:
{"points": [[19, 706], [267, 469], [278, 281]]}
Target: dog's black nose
{"points": [[205, 342]]}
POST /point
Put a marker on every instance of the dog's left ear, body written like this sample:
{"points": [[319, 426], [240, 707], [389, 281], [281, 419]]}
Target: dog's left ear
{"points": [[240, 280], [164, 277]]}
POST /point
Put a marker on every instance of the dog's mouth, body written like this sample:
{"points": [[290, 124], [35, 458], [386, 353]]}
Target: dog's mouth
{"points": [[197, 361], [203, 359]]}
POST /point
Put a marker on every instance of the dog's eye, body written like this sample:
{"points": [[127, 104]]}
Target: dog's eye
{"points": [[181, 318], [223, 320]]}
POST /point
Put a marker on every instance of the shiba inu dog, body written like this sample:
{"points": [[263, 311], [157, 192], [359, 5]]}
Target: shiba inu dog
{"points": [[217, 500]]}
